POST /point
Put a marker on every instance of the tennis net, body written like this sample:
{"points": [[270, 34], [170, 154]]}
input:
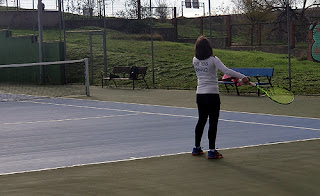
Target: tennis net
{"points": [[45, 79]]}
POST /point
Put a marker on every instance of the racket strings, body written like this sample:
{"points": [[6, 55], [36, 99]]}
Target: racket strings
{"points": [[280, 95]]}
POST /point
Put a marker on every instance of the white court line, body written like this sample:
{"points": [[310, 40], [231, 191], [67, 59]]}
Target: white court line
{"points": [[63, 120], [174, 115], [299, 117], [194, 108], [77, 106], [312, 118], [150, 157], [268, 124]]}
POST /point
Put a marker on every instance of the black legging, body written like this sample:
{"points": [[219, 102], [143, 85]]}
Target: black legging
{"points": [[208, 106]]}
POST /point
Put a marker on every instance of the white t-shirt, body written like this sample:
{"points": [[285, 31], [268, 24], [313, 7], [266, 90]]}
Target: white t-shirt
{"points": [[207, 70]]}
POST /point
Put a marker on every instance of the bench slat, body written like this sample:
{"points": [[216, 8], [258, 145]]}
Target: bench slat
{"points": [[261, 72], [121, 70], [117, 78]]}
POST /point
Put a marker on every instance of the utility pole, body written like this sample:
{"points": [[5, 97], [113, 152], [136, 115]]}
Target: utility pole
{"points": [[105, 59], [210, 22], [60, 20], [289, 44], [151, 36], [40, 27], [139, 9]]}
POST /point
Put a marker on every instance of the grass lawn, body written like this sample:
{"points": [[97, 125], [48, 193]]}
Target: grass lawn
{"points": [[173, 61]]}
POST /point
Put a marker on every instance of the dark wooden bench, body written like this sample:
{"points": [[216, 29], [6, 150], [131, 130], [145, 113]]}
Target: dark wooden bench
{"points": [[124, 74], [262, 76]]}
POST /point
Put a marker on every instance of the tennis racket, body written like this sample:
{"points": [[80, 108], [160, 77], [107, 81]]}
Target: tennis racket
{"points": [[277, 94]]}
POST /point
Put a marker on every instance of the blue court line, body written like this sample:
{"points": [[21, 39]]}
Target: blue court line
{"points": [[51, 133]]}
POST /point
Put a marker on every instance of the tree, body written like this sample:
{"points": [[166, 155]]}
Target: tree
{"points": [[85, 7], [255, 10], [297, 16], [222, 9], [162, 10], [88, 4], [281, 5], [131, 10]]}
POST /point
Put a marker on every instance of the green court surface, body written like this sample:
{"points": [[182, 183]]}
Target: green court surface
{"points": [[291, 168]]}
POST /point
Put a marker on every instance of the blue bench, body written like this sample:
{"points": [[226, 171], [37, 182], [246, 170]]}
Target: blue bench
{"points": [[263, 76]]}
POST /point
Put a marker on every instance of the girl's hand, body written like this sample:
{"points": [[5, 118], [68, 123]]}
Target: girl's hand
{"points": [[245, 80]]}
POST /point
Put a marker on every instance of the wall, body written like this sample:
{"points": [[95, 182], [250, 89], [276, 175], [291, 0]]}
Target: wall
{"points": [[26, 19], [220, 43], [314, 42], [22, 49]]}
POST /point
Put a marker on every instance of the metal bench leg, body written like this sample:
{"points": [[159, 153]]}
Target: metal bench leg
{"points": [[114, 83], [101, 79], [226, 87], [146, 83], [238, 93]]}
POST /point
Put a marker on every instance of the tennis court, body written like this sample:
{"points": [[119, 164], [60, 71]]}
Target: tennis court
{"points": [[121, 141]]}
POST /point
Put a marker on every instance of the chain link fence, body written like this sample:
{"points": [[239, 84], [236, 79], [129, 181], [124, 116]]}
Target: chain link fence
{"points": [[129, 40]]}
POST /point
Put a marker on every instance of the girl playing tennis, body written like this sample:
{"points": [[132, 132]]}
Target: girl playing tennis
{"points": [[208, 100]]}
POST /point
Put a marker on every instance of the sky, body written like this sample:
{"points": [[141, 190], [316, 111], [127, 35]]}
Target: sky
{"points": [[216, 6]]}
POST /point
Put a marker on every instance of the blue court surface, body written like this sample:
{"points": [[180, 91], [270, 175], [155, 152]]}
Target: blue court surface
{"points": [[53, 133]]}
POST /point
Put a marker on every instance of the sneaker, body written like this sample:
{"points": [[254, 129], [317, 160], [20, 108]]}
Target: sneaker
{"points": [[214, 155], [197, 151]]}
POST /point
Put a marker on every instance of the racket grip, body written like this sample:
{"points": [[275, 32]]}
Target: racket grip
{"points": [[252, 84]]}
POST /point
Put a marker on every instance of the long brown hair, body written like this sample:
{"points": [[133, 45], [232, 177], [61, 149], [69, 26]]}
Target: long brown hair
{"points": [[202, 48]]}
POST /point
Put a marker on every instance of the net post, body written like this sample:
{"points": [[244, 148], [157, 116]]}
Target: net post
{"points": [[86, 68]]}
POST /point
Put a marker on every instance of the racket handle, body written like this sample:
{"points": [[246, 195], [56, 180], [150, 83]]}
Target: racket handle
{"points": [[252, 84]]}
